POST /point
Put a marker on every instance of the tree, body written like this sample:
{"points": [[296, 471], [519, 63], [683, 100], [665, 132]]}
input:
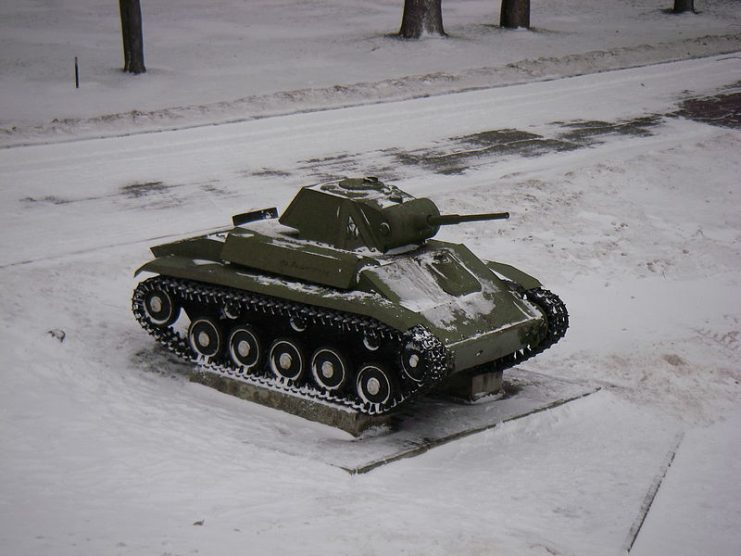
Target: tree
{"points": [[422, 17], [131, 30], [684, 6], [515, 13]]}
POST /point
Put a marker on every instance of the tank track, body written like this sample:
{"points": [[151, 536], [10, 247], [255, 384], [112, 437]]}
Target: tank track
{"points": [[206, 298], [557, 321], [438, 358]]}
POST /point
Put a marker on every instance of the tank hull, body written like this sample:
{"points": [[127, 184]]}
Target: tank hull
{"points": [[477, 327]]}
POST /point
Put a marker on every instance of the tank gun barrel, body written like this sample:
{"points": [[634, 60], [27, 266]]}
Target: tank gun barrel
{"points": [[447, 219]]}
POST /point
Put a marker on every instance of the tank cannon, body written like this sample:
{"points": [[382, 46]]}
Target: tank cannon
{"points": [[452, 219]]}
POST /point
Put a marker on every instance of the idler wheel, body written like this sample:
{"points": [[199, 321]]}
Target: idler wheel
{"points": [[413, 361], [286, 359], [160, 308], [374, 385], [206, 337], [245, 349], [330, 369]]}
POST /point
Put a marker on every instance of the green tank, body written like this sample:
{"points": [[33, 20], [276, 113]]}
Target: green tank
{"points": [[345, 298]]}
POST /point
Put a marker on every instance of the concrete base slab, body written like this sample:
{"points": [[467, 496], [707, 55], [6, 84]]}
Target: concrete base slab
{"points": [[422, 425], [432, 422], [342, 418]]}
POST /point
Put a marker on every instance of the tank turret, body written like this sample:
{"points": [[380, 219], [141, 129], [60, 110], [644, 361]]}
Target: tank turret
{"points": [[365, 213]]}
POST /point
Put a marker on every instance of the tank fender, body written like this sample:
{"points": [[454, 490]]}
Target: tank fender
{"points": [[509, 272]]}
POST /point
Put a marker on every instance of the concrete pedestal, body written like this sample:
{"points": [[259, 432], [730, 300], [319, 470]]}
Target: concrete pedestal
{"points": [[339, 417], [463, 387], [472, 388]]}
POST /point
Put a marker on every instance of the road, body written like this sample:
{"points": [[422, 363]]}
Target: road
{"points": [[195, 176]]}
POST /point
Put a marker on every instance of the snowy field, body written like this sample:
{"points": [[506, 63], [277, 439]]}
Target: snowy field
{"points": [[623, 200], [227, 60]]}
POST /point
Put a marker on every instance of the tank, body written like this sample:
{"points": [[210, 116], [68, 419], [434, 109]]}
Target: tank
{"points": [[346, 298]]}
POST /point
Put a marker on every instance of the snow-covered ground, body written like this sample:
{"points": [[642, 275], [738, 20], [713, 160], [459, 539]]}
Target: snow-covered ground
{"points": [[622, 203], [226, 60]]}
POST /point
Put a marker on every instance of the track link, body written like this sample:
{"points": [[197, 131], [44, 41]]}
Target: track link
{"points": [[199, 298]]}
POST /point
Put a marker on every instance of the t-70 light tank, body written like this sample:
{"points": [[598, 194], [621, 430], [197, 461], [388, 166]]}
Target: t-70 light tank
{"points": [[344, 298]]}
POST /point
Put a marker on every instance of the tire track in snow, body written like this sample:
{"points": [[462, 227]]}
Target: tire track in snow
{"points": [[651, 495]]}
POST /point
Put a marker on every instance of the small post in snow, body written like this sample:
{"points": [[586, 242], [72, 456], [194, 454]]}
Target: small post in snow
{"points": [[77, 74]]}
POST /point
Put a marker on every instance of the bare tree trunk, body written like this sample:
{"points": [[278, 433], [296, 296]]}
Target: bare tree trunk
{"points": [[515, 13], [124, 27], [422, 17], [684, 6], [131, 30]]}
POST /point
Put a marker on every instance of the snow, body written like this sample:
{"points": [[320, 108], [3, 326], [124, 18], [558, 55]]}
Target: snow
{"points": [[412, 280], [377, 194], [105, 448], [229, 60], [692, 504]]}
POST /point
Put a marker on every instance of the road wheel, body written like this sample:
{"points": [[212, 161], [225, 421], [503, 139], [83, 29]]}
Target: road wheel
{"points": [[330, 368], [206, 337], [245, 349], [286, 359], [375, 385]]}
